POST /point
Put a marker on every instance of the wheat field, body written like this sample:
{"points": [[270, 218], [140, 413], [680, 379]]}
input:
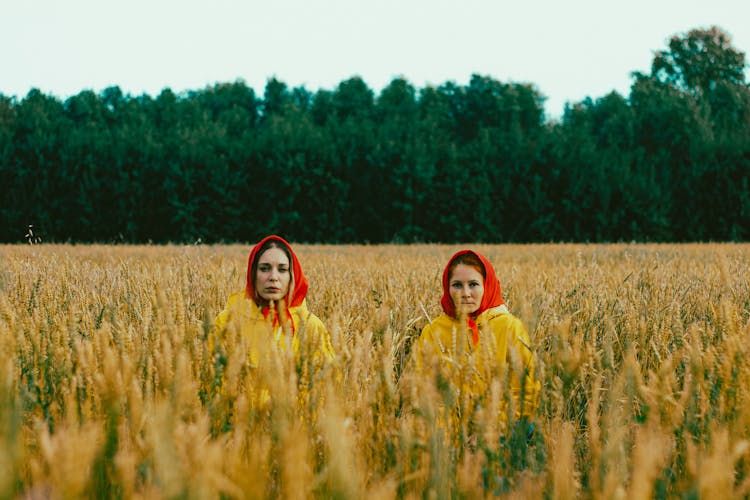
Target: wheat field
{"points": [[106, 378]]}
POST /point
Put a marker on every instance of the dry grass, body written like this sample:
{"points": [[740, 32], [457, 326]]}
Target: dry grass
{"points": [[106, 378]]}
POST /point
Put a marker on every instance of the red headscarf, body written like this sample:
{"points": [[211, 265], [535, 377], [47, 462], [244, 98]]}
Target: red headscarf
{"points": [[297, 286], [492, 297]]}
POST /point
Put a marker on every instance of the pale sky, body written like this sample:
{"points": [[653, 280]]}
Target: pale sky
{"points": [[568, 49]]}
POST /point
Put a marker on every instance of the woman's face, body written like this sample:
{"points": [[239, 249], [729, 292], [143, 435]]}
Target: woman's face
{"points": [[273, 275], [466, 289]]}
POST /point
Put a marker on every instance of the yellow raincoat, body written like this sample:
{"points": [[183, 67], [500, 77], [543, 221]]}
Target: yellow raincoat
{"points": [[257, 331], [503, 343], [487, 346], [247, 335]]}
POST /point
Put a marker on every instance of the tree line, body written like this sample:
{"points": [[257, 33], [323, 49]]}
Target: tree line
{"points": [[477, 162]]}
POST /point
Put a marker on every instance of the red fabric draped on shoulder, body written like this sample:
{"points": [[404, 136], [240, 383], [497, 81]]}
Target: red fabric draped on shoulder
{"points": [[492, 297], [298, 285]]}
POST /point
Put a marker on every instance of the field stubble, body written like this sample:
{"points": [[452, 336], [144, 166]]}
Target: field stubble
{"points": [[108, 387]]}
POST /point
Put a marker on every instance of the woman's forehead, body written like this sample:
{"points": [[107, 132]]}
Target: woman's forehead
{"points": [[273, 255], [464, 272]]}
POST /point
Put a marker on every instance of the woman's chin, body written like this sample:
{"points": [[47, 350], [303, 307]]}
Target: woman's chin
{"points": [[274, 297]]}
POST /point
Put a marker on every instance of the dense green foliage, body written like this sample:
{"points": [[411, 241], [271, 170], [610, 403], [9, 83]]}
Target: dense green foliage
{"points": [[475, 162]]}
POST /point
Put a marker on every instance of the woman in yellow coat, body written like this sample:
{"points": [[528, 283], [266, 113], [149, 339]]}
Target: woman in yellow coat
{"points": [[270, 316], [477, 341]]}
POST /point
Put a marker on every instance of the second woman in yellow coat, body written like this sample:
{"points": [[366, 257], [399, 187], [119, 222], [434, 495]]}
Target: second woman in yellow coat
{"points": [[478, 339]]}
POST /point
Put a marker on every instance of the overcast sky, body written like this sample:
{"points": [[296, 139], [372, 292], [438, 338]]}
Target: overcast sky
{"points": [[568, 49]]}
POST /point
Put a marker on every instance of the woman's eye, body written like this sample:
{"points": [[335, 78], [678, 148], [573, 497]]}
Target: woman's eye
{"points": [[283, 270], [265, 268]]}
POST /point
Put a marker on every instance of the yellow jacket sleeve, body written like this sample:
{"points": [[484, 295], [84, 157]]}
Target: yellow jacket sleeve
{"points": [[221, 320], [524, 387], [314, 329], [424, 347]]}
